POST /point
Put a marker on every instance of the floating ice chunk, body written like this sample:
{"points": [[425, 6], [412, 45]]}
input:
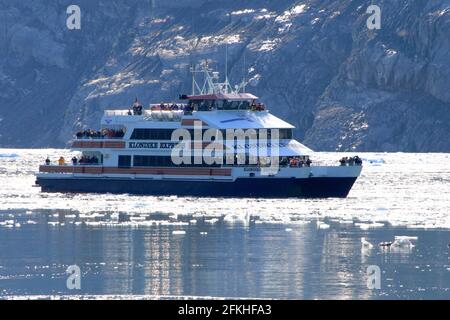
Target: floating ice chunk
{"points": [[179, 232], [212, 221], [31, 222], [137, 218], [288, 229], [322, 225], [94, 223], [238, 218], [9, 222], [375, 161], [193, 221], [17, 225], [405, 243], [203, 233], [53, 223], [406, 238], [366, 226], [366, 244]]}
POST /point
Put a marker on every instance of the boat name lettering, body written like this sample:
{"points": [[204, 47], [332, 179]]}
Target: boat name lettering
{"points": [[167, 145], [143, 145]]}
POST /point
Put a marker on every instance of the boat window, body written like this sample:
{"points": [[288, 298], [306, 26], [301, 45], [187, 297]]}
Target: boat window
{"points": [[163, 161], [285, 133], [152, 134], [124, 161]]}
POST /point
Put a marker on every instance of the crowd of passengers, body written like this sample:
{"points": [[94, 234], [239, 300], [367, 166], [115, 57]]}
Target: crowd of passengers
{"points": [[295, 162], [137, 108], [351, 161], [104, 133], [83, 160]]}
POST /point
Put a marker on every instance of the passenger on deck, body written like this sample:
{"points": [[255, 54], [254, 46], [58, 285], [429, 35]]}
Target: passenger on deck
{"points": [[47, 161], [351, 161], [343, 162], [284, 161], [62, 161], [293, 162], [308, 162], [137, 108], [74, 161], [129, 112], [357, 160]]}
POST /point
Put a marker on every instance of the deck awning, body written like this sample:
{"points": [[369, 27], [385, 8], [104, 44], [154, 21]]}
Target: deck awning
{"points": [[224, 96], [243, 120]]}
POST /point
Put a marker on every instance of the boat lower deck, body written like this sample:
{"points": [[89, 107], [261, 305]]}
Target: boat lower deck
{"points": [[269, 187]]}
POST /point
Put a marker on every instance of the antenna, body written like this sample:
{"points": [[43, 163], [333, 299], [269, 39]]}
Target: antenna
{"points": [[226, 66], [193, 78], [245, 73]]}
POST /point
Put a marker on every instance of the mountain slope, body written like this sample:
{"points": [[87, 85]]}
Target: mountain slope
{"points": [[312, 62]]}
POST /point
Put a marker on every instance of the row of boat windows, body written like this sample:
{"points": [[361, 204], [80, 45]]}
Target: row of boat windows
{"points": [[165, 161], [166, 134], [205, 105]]}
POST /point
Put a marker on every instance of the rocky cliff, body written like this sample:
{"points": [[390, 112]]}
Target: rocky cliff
{"points": [[313, 62]]}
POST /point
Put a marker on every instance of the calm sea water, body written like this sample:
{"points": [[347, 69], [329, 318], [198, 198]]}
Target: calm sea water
{"points": [[157, 247]]}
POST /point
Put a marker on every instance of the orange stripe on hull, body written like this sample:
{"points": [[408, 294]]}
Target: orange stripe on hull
{"points": [[99, 144]]}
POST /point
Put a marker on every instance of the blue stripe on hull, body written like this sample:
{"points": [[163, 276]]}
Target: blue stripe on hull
{"points": [[243, 187]]}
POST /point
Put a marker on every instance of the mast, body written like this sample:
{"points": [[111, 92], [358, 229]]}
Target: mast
{"points": [[226, 67]]}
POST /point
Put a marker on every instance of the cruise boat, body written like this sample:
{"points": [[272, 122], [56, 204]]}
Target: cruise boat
{"points": [[219, 141]]}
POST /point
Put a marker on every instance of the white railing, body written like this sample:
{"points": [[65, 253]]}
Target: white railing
{"points": [[149, 115]]}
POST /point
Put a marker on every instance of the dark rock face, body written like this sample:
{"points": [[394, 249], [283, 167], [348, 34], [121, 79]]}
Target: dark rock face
{"points": [[314, 63]]}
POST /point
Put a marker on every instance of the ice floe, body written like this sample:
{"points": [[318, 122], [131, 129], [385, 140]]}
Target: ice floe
{"points": [[366, 244]]}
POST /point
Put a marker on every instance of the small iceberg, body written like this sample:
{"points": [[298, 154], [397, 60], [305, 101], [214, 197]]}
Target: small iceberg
{"points": [[322, 225], [366, 244], [237, 218], [374, 161], [367, 226], [410, 238], [403, 243], [179, 232]]}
